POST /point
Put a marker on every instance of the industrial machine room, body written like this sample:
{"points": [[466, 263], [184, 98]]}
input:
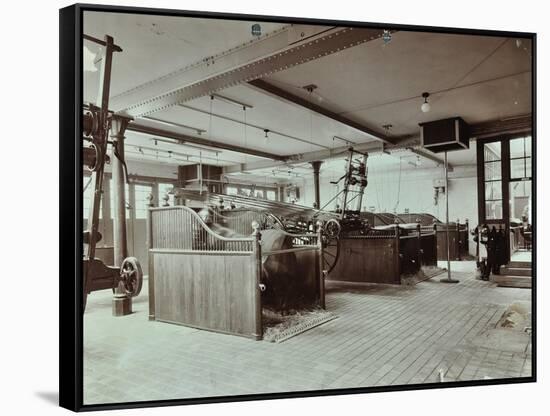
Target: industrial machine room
{"points": [[273, 207]]}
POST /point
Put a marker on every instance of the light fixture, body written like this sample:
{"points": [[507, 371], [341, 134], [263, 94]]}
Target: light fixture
{"points": [[183, 143], [230, 100], [266, 131], [425, 105], [173, 124]]}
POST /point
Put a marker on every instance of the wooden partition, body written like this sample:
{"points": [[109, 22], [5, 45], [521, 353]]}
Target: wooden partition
{"points": [[384, 255], [371, 258], [458, 241], [201, 279], [368, 259], [428, 246]]}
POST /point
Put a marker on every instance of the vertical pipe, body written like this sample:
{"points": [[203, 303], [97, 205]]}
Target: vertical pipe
{"points": [[467, 238], [321, 273], [435, 242], [122, 304], [447, 216], [398, 253], [257, 264], [419, 233], [119, 220], [316, 169], [448, 279], [458, 244]]}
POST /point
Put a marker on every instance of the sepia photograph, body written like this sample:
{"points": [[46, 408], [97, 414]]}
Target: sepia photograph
{"points": [[294, 207]]}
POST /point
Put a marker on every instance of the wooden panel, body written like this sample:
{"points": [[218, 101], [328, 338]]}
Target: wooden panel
{"points": [[139, 241], [409, 254], [428, 245], [308, 267], [367, 260], [209, 291], [458, 244]]}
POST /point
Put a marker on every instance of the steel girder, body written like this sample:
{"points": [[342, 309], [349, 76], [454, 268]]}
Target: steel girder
{"points": [[248, 63]]}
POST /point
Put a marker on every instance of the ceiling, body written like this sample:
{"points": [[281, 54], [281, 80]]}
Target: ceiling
{"points": [[154, 46], [479, 78]]}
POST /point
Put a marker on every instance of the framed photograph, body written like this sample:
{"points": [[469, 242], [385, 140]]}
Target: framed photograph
{"points": [[261, 207]]}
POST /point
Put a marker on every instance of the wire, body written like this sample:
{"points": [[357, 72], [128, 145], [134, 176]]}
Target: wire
{"points": [[398, 188], [87, 184], [245, 137]]}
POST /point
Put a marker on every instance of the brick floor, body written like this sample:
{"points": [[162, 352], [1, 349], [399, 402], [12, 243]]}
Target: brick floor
{"points": [[384, 335]]}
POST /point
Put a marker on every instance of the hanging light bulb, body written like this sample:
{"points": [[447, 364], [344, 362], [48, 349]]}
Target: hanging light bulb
{"points": [[426, 107]]}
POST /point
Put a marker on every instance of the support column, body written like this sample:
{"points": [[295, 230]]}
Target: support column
{"points": [[316, 169], [448, 279], [122, 303]]}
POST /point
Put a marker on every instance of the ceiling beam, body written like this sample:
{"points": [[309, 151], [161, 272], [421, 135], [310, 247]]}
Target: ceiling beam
{"points": [[251, 61], [184, 138], [509, 125], [373, 146], [273, 90]]}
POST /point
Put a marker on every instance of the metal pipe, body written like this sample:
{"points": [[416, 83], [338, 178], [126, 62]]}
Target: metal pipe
{"points": [[119, 221], [174, 124], [447, 217], [316, 168], [448, 279]]}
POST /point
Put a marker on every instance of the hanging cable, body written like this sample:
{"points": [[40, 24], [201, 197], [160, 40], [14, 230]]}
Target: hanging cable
{"points": [[398, 188], [87, 184], [376, 190], [245, 137]]}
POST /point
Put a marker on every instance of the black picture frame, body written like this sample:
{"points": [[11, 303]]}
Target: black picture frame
{"points": [[70, 214]]}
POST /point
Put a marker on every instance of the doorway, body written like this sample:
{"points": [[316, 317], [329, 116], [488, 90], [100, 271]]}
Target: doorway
{"points": [[505, 191]]}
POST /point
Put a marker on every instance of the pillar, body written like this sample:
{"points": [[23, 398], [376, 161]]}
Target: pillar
{"points": [[316, 169]]}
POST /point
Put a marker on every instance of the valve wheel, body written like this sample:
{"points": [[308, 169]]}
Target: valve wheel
{"points": [[330, 254], [131, 276]]}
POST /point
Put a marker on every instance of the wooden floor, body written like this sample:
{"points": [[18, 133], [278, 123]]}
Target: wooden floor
{"points": [[383, 335], [521, 255]]}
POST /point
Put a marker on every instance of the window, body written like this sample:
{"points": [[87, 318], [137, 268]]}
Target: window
{"points": [[520, 158], [231, 190], [259, 193], [165, 189], [493, 180], [271, 195], [142, 194], [127, 195]]}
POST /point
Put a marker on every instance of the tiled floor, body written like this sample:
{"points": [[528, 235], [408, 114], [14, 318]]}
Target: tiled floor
{"points": [[383, 335]]}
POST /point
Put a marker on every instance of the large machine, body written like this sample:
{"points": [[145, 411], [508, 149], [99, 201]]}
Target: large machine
{"points": [[403, 246], [125, 278]]}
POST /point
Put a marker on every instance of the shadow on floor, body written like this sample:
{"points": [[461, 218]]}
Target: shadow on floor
{"points": [[373, 288], [52, 397]]}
